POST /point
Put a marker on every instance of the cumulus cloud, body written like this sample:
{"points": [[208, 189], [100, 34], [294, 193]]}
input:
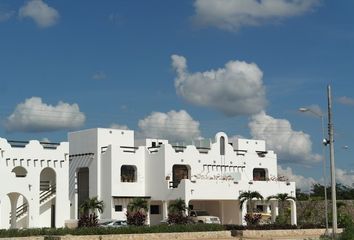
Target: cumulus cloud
{"points": [[42, 14], [345, 177], [119, 126], [232, 14], [304, 183], [35, 116], [290, 145], [173, 125], [236, 89], [346, 101], [99, 76]]}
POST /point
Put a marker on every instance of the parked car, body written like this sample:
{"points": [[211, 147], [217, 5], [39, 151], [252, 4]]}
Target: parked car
{"points": [[202, 216], [114, 223]]}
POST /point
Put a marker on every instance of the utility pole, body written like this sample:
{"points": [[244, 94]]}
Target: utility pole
{"points": [[331, 155]]}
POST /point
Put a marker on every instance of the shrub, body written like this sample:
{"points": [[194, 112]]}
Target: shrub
{"points": [[88, 221], [253, 219], [136, 218], [178, 218]]}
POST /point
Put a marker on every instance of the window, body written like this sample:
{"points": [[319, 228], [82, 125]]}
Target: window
{"points": [[222, 145], [20, 172], [155, 209], [118, 208], [260, 208], [179, 172], [259, 174], [128, 173]]}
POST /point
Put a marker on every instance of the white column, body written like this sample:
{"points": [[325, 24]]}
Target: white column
{"points": [[243, 213], [13, 200], [293, 212], [164, 210]]}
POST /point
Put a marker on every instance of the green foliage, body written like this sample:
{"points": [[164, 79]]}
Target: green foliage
{"points": [[138, 204], [136, 218], [248, 197], [88, 209], [177, 206], [253, 219], [49, 232], [136, 214]]}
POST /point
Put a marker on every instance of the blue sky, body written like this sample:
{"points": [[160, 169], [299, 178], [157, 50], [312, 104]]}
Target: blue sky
{"points": [[68, 65]]}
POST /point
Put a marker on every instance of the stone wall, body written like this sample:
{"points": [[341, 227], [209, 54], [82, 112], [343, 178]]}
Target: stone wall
{"points": [[312, 211]]}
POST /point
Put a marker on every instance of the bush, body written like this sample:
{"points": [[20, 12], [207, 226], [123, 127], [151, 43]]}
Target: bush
{"points": [[136, 218], [253, 219], [88, 221], [178, 218]]}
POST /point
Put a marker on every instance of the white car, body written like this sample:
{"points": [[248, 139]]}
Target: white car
{"points": [[202, 216], [115, 223]]}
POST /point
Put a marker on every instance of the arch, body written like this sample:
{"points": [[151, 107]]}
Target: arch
{"points": [[222, 145], [47, 178], [179, 172], [19, 213], [128, 173], [19, 171], [47, 197]]}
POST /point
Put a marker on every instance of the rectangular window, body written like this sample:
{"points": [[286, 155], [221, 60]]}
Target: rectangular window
{"points": [[118, 208], [155, 209]]}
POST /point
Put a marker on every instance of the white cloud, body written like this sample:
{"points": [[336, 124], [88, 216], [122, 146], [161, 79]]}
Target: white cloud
{"points": [[346, 101], [236, 89], [99, 76], [43, 15], [5, 15], [345, 177], [290, 145], [304, 183], [35, 116], [173, 125], [232, 14], [119, 126]]}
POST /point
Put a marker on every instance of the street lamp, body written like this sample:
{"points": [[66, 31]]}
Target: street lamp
{"points": [[320, 115]]}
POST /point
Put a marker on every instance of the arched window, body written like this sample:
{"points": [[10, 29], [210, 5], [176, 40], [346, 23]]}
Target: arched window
{"points": [[222, 145], [179, 172], [259, 174], [128, 173], [20, 171]]}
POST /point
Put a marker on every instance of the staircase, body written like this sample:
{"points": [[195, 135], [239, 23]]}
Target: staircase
{"points": [[44, 196]]}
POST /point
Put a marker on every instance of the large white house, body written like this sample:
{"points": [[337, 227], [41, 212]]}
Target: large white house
{"points": [[43, 184], [110, 164]]}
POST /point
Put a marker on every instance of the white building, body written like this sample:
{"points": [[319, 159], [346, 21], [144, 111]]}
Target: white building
{"points": [[110, 164], [34, 184]]}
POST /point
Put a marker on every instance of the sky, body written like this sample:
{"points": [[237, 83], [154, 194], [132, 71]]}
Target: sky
{"points": [[184, 70]]}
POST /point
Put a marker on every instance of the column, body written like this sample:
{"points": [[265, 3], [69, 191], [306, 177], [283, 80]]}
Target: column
{"points": [[164, 210], [243, 213], [293, 212]]}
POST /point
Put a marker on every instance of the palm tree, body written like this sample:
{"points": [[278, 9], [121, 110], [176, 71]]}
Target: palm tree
{"points": [[91, 205], [88, 211], [177, 206], [282, 198], [137, 205], [249, 196]]}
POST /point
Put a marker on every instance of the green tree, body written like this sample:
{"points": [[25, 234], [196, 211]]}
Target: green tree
{"points": [[138, 204], [88, 210], [177, 206], [177, 212], [249, 197], [282, 198], [136, 214]]}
